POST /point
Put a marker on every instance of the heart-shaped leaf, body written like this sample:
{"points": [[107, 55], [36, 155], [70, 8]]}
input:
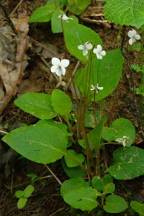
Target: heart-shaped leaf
{"points": [[40, 143], [78, 194]]}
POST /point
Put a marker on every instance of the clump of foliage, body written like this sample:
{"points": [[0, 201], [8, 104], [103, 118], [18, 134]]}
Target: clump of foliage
{"points": [[89, 186]]}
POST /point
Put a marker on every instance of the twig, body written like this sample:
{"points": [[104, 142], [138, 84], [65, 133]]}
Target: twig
{"points": [[59, 210], [73, 73], [17, 6], [8, 19], [56, 178], [3, 132]]}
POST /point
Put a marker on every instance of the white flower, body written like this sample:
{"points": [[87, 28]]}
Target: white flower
{"points": [[123, 140], [99, 52], [85, 48], [64, 17], [59, 66], [134, 36], [96, 88]]}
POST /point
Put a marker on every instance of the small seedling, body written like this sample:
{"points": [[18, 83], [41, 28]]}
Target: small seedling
{"points": [[23, 196]]}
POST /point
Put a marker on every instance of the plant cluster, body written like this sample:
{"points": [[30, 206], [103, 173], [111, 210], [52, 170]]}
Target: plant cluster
{"points": [[66, 122]]}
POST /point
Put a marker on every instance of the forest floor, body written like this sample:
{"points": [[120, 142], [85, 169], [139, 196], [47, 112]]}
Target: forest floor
{"points": [[42, 46]]}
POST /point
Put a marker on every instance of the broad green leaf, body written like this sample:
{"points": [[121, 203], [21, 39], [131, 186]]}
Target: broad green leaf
{"points": [[77, 6], [78, 194], [28, 191], [58, 3], [125, 12], [128, 163], [119, 128], [137, 207], [60, 125], [107, 179], [21, 202], [76, 34], [73, 159], [109, 134], [42, 14], [37, 104], [19, 193], [105, 72], [124, 127], [109, 188], [75, 172], [39, 143], [115, 204], [101, 184], [97, 183], [56, 23], [61, 102]]}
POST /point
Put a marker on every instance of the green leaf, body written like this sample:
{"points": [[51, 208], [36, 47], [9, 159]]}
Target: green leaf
{"points": [[115, 204], [107, 179], [109, 134], [61, 102], [94, 136], [137, 207], [77, 6], [39, 143], [56, 24], [28, 191], [60, 125], [103, 184], [78, 194], [76, 34], [21, 202], [125, 12], [124, 127], [37, 104], [58, 3], [73, 159], [75, 172], [119, 128], [19, 193], [105, 72], [97, 183], [42, 14], [109, 188], [128, 163]]}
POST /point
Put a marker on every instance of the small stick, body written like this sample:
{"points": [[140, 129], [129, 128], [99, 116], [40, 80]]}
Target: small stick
{"points": [[73, 73], [56, 178], [3, 132], [17, 6], [8, 19]]}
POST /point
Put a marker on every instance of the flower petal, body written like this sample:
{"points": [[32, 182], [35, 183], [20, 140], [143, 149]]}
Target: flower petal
{"points": [[103, 53], [81, 47], [131, 33], [137, 37], [88, 46], [53, 69], [65, 62], [95, 51], [99, 48], [99, 56], [131, 41], [63, 71], [85, 52], [55, 61]]}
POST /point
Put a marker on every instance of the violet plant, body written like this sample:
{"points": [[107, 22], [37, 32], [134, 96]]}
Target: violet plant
{"points": [[90, 186]]}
